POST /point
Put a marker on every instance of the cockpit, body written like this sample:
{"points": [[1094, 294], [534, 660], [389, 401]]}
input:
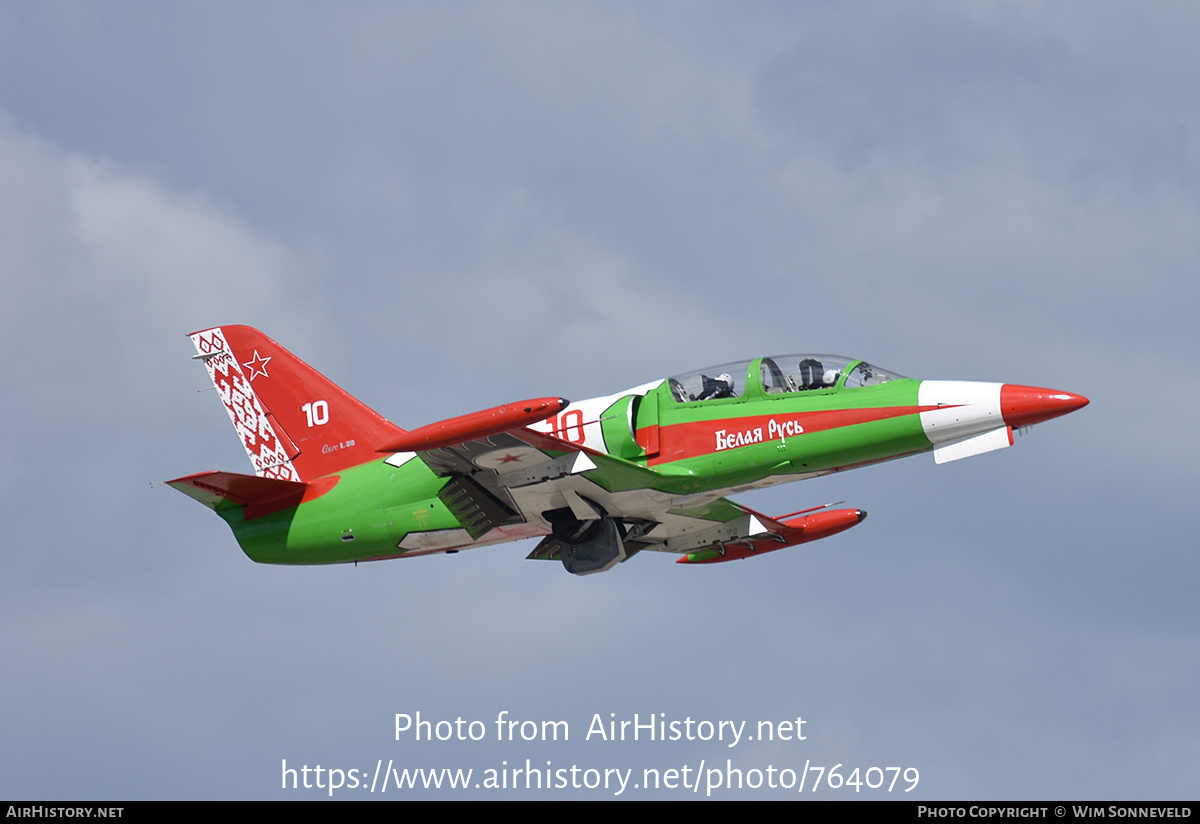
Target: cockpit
{"points": [[725, 381], [777, 375]]}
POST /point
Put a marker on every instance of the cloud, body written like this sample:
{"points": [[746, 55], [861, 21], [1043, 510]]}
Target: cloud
{"points": [[444, 209]]}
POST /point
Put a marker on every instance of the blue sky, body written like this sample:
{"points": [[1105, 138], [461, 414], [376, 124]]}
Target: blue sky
{"points": [[445, 208]]}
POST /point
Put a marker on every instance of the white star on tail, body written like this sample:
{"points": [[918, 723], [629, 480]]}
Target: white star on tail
{"points": [[257, 366]]}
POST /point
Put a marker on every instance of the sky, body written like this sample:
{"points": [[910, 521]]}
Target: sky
{"points": [[444, 207]]}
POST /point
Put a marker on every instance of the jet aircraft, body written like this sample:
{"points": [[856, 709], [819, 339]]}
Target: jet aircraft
{"points": [[598, 480]]}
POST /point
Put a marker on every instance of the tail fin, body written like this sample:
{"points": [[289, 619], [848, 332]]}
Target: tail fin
{"points": [[294, 422]]}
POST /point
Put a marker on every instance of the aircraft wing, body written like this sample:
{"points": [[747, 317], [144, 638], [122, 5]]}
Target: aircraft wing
{"points": [[515, 477]]}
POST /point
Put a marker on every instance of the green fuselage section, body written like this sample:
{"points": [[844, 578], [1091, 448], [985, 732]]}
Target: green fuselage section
{"points": [[366, 513]]}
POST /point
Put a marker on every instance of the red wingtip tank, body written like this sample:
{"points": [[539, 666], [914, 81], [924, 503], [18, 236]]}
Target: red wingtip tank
{"points": [[811, 527], [503, 418]]}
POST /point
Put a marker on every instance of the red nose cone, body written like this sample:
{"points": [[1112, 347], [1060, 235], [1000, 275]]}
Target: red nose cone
{"points": [[1027, 405]]}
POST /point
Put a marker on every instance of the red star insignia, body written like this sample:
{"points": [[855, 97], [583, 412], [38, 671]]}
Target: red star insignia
{"points": [[509, 458], [257, 366]]}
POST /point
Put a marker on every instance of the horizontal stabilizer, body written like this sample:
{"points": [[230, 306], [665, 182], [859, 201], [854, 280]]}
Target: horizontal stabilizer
{"points": [[260, 496]]}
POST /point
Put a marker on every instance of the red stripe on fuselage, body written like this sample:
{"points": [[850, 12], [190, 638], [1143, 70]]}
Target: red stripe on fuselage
{"points": [[685, 440]]}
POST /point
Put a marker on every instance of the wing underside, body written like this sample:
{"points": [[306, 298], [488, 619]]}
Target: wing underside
{"points": [[523, 478]]}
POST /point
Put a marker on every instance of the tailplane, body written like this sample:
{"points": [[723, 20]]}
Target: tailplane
{"points": [[258, 496], [295, 423]]}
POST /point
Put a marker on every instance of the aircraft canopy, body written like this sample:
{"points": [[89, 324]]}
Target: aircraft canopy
{"points": [[777, 374]]}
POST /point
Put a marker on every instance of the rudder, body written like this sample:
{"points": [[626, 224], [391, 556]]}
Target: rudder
{"points": [[295, 423]]}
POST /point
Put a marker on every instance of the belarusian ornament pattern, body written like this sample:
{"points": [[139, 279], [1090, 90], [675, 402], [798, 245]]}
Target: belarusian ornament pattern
{"points": [[264, 447]]}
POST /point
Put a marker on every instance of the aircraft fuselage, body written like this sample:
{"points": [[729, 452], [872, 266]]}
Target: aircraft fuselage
{"points": [[602, 478]]}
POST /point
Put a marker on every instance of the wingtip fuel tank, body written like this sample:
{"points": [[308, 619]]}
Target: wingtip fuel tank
{"points": [[811, 527], [476, 425]]}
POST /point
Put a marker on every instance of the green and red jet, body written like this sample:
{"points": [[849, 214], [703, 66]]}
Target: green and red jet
{"points": [[598, 480]]}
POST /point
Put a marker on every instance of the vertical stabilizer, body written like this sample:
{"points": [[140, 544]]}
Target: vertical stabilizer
{"points": [[295, 423]]}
